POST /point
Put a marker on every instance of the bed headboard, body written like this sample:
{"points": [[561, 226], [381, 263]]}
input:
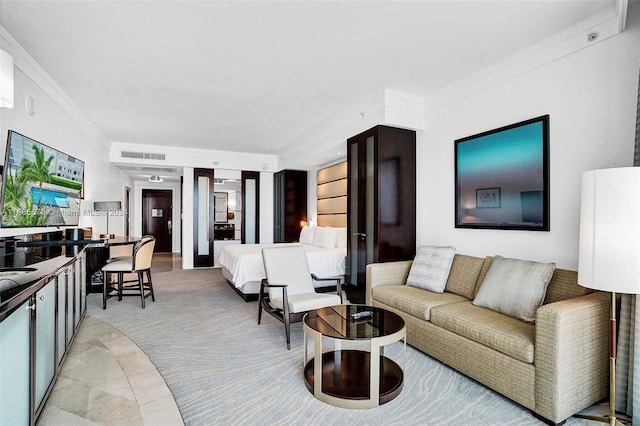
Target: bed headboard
{"points": [[332, 195]]}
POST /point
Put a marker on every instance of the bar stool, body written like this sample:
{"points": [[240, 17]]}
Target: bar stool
{"points": [[140, 264]]}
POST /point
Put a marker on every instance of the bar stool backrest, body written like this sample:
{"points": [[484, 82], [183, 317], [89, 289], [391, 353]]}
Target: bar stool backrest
{"points": [[143, 253]]}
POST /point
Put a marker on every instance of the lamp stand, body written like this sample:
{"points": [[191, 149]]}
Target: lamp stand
{"points": [[107, 236], [612, 420]]}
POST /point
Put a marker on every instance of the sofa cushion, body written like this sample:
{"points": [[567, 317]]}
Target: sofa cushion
{"points": [[503, 333], [413, 300], [515, 287], [463, 275], [564, 285], [430, 268]]}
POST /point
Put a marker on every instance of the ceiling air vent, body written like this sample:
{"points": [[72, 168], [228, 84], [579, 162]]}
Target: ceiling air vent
{"points": [[159, 169], [142, 155]]}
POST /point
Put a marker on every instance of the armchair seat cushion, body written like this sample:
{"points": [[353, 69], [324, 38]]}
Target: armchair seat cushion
{"points": [[414, 300], [307, 301], [501, 332]]}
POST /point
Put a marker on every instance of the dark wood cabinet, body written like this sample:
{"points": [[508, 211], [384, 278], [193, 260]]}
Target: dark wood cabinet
{"points": [[381, 202], [290, 205]]}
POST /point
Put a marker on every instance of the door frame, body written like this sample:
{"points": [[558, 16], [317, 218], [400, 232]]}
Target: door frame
{"points": [[200, 261], [169, 217], [127, 210], [248, 175]]}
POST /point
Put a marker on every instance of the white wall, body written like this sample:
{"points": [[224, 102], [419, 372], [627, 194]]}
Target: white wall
{"points": [[53, 126], [590, 96]]}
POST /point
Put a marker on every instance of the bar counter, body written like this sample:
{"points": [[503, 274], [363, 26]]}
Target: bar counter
{"points": [[43, 289], [28, 261]]}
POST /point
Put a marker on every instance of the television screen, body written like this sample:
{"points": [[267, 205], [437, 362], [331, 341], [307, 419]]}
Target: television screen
{"points": [[502, 177], [41, 186]]}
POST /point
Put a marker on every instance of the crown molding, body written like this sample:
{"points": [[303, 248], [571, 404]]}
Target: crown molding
{"points": [[573, 39], [30, 67]]}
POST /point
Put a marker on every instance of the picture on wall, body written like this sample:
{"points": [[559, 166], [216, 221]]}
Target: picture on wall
{"points": [[502, 177]]}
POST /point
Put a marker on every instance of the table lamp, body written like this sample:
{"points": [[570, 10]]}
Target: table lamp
{"points": [[609, 257], [107, 206]]}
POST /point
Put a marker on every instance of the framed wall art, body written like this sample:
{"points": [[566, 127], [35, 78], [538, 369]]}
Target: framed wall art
{"points": [[502, 177]]}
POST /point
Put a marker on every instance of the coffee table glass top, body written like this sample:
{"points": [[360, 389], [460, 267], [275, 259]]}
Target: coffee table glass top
{"points": [[353, 322]]}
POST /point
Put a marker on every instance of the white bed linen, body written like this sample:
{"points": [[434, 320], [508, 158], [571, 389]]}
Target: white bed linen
{"points": [[244, 261]]}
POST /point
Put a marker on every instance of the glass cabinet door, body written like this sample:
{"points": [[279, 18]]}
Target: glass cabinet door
{"points": [[45, 359], [61, 322], [14, 364]]}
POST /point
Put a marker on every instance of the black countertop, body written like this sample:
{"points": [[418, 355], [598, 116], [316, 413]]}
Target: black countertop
{"points": [[28, 260]]}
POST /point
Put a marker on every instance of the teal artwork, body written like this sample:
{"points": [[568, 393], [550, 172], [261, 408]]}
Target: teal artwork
{"points": [[502, 177]]}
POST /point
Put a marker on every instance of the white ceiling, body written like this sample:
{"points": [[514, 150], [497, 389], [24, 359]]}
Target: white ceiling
{"points": [[260, 76]]}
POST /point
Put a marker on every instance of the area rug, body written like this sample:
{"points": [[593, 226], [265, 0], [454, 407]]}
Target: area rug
{"points": [[225, 369]]}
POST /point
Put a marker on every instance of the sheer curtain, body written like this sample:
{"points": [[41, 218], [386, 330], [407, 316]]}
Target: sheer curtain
{"points": [[627, 371]]}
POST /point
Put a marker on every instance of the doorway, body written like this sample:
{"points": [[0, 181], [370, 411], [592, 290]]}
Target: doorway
{"points": [[156, 217]]}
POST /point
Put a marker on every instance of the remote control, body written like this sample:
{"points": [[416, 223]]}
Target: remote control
{"points": [[363, 314]]}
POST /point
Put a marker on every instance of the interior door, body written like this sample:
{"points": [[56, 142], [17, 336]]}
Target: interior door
{"points": [[203, 217], [361, 223], [251, 208], [156, 217]]}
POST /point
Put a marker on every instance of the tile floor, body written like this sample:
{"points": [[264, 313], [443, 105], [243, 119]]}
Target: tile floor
{"points": [[106, 379]]}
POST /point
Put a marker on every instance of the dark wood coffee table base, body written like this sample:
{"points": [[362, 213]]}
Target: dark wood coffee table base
{"points": [[349, 378]]}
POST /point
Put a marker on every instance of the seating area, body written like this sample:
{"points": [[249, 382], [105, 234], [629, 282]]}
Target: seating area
{"points": [[525, 329], [138, 264]]}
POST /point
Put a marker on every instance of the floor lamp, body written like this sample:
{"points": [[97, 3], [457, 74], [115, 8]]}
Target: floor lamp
{"points": [[108, 206], [609, 257]]}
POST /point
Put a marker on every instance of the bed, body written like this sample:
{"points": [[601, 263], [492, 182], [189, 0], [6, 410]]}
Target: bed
{"points": [[242, 263]]}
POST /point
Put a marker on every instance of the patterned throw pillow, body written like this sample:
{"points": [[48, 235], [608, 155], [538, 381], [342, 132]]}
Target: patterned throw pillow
{"points": [[430, 268], [515, 287]]}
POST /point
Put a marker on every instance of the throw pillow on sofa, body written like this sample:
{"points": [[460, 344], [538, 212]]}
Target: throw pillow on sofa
{"points": [[515, 287], [430, 268]]}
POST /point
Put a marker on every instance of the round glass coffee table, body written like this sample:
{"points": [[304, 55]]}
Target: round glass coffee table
{"points": [[352, 378]]}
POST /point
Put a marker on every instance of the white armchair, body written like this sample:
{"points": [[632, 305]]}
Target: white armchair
{"points": [[288, 292]]}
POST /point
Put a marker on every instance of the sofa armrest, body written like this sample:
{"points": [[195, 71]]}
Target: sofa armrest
{"points": [[572, 354], [387, 273]]}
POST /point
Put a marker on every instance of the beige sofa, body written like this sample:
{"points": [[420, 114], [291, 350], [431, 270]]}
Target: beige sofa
{"points": [[555, 367]]}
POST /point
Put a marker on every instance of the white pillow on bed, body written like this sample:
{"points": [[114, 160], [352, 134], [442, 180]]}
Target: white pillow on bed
{"points": [[341, 241], [325, 237], [306, 234]]}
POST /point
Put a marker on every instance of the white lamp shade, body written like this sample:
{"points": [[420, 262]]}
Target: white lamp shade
{"points": [[6, 80], [609, 258]]}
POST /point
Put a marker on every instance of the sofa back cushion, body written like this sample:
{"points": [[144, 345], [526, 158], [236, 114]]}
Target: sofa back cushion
{"points": [[564, 285], [464, 275]]}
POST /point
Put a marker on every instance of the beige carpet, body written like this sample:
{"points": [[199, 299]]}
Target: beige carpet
{"points": [[223, 368]]}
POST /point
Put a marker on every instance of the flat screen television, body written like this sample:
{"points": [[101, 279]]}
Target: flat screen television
{"points": [[41, 186], [502, 177]]}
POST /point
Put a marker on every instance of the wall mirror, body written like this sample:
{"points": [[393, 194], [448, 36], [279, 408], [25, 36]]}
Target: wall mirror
{"points": [[220, 206]]}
